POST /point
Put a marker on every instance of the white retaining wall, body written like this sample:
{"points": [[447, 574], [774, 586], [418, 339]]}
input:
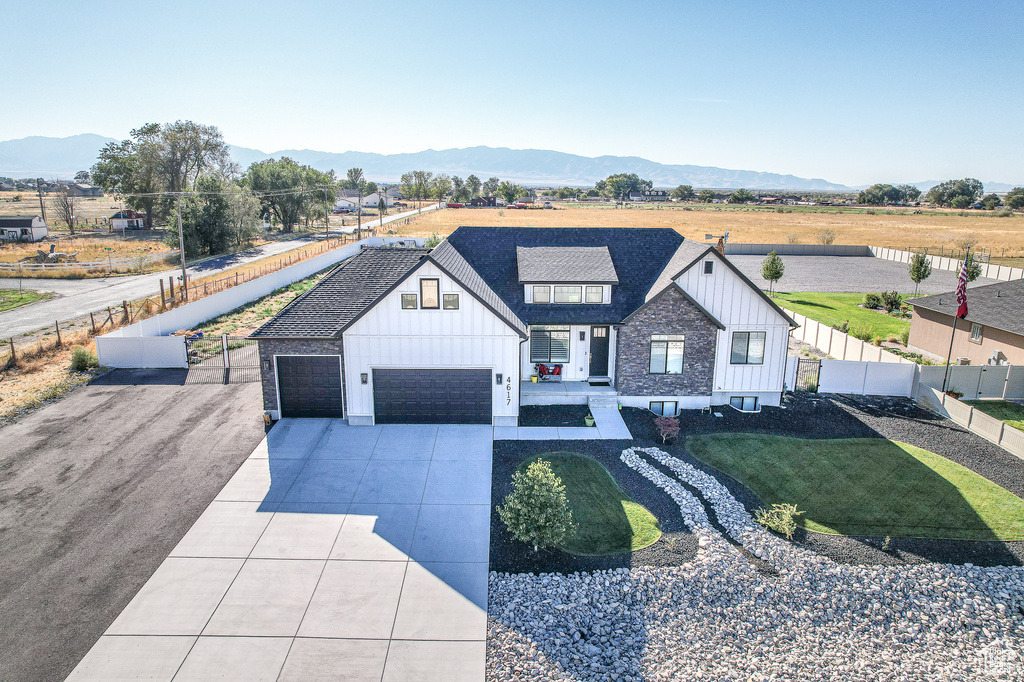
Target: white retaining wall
{"points": [[990, 270], [147, 344]]}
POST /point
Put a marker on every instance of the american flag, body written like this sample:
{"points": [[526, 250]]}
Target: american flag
{"points": [[961, 289]]}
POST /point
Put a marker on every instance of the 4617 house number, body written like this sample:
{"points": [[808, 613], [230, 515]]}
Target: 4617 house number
{"points": [[508, 391]]}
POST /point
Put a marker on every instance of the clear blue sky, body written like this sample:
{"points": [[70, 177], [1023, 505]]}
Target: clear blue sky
{"points": [[852, 92]]}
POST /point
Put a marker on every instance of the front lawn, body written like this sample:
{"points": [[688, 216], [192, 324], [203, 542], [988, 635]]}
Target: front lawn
{"points": [[1011, 413], [609, 521], [834, 309], [13, 298], [866, 486]]}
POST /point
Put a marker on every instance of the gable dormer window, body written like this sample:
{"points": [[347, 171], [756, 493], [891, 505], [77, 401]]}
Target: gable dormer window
{"points": [[568, 294], [542, 293], [595, 294]]}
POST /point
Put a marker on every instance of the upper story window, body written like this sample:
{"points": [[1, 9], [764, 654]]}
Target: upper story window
{"points": [[595, 294], [709, 267], [430, 293], [408, 301], [975, 332], [541, 293], [748, 348], [451, 301], [666, 354], [568, 293]]}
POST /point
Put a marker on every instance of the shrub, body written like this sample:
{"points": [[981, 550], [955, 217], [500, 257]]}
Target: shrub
{"points": [[82, 360], [870, 211], [536, 511], [826, 237], [905, 337], [668, 427], [877, 340], [891, 300], [872, 301], [433, 240], [862, 334], [781, 518], [792, 239], [844, 327]]}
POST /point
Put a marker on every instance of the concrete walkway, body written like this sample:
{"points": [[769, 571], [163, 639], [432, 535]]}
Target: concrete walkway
{"points": [[334, 553], [608, 425]]}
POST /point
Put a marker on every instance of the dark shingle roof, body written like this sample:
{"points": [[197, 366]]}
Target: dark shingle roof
{"points": [[998, 305], [638, 254], [577, 264], [450, 260], [687, 252], [16, 221], [324, 310]]}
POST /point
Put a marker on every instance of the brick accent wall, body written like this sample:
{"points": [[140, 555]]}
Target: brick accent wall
{"points": [[271, 347], [670, 313]]}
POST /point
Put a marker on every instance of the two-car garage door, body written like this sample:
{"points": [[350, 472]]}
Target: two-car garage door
{"points": [[432, 396]]}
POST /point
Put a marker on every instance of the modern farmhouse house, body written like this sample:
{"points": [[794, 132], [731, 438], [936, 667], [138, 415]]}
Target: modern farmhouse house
{"points": [[493, 318]]}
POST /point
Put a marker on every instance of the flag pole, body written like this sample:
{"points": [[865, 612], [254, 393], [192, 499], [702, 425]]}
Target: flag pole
{"points": [[956, 315]]}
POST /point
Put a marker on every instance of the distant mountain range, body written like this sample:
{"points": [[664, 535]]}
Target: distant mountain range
{"points": [[53, 157]]}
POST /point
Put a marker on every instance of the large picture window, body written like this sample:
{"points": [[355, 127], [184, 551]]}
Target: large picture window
{"points": [[568, 294], [666, 354], [549, 343], [748, 348], [430, 293]]}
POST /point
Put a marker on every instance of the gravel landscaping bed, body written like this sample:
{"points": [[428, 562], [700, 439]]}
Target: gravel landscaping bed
{"points": [[718, 617], [677, 545], [553, 415]]}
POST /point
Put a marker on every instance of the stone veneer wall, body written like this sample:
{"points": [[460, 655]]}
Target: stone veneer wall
{"points": [[670, 313], [271, 347]]}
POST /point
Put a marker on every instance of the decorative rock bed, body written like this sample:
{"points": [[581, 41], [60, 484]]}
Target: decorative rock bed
{"points": [[719, 617]]}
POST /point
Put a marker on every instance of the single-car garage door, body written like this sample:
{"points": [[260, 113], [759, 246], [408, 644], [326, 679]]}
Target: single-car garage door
{"points": [[309, 385], [432, 396]]}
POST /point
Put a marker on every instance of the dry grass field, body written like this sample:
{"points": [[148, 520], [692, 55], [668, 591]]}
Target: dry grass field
{"points": [[754, 224]]}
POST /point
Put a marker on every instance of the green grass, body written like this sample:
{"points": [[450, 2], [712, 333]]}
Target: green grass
{"points": [[13, 298], [609, 521], [1011, 413], [834, 309], [866, 486]]}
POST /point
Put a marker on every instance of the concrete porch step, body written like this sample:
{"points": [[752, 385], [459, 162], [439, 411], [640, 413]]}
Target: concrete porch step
{"points": [[603, 401]]}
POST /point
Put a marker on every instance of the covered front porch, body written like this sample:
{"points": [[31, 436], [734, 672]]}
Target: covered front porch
{"points": [[562, 392]]}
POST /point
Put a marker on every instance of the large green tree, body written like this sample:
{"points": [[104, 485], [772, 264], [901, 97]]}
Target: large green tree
{"points": [[684, 193], [354, 179], [473, 184], [880, 195], [705, 196], [1015, 198], [132, 169], [956, 193], [490, 187], [289, 190], [620, 185], [440, 186], [509, 191], [991, 201], [741, 196]]}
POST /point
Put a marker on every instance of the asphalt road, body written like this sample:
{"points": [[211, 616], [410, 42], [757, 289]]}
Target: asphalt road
{"points": [[95, 491], [848, 274], [77, 297]]}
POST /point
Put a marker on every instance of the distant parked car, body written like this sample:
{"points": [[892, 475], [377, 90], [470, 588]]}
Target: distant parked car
{"points": [[547, 204], [399, 204]]}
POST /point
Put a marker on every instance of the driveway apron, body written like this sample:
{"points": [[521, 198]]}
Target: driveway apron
{"points": [[335, 553]]}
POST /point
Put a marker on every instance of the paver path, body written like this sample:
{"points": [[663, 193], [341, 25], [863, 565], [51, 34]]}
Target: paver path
{"points": [[335, 553]]}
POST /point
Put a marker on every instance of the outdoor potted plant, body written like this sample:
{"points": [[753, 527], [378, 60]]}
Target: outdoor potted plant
{"points": [[589, 420], [533, 378]]}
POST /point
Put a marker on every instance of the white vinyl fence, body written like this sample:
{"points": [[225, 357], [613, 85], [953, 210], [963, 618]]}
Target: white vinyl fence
{"points": [[976, 382], [147, 343], [976, 421], [125, 263], [840, 345], [867, 378], [990, 270]]}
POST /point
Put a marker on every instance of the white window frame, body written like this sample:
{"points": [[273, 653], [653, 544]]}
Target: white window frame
{"points": [[976, 332], [547, 293], [565, 288], [593, 288]]}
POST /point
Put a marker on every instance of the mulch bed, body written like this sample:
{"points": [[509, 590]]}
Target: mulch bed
{"points": [[553, 415], [801, 416]]}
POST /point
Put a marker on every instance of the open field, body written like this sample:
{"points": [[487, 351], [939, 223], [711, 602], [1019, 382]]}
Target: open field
{"points": [[750, 224], [866, 486], [834, 309], [91, 247]]}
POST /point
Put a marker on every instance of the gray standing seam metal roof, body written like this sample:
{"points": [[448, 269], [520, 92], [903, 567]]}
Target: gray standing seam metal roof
{"points": [[999, 305], [578, 264], [324, 310]]}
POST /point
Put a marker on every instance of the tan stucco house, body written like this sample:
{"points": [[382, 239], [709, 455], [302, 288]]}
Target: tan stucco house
{"points": [[993, 329]]}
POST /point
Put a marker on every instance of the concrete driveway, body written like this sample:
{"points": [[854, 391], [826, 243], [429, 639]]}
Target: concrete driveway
{"points": [[334, 553]]}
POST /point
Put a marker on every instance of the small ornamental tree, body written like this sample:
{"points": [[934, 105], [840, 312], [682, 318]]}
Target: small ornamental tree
{"points": [[668, 427], [772, 269], [920, 269], [537, 511]]}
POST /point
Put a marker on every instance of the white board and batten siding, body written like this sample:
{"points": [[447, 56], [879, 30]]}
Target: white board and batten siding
{"points": [[577, 368], [740, 308], [471, 337]]}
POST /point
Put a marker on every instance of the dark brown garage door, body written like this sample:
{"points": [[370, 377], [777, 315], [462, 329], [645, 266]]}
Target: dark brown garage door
{"points": [[309, 385], [432, 396]]}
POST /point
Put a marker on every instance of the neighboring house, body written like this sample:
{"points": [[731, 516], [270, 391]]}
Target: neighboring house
{"points": [[81, 189], [22, 228], [453, 334], [349, 198], [127, 220], [655, 195], [483, 202], [993, 331]]}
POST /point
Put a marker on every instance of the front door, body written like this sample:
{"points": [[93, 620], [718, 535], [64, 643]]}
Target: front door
{"points": [[599, 351]]}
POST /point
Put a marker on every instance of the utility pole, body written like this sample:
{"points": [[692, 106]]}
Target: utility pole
{"points": [[359, 215], [181, 246], [382, 194], [39, 189], [327, 218]]}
